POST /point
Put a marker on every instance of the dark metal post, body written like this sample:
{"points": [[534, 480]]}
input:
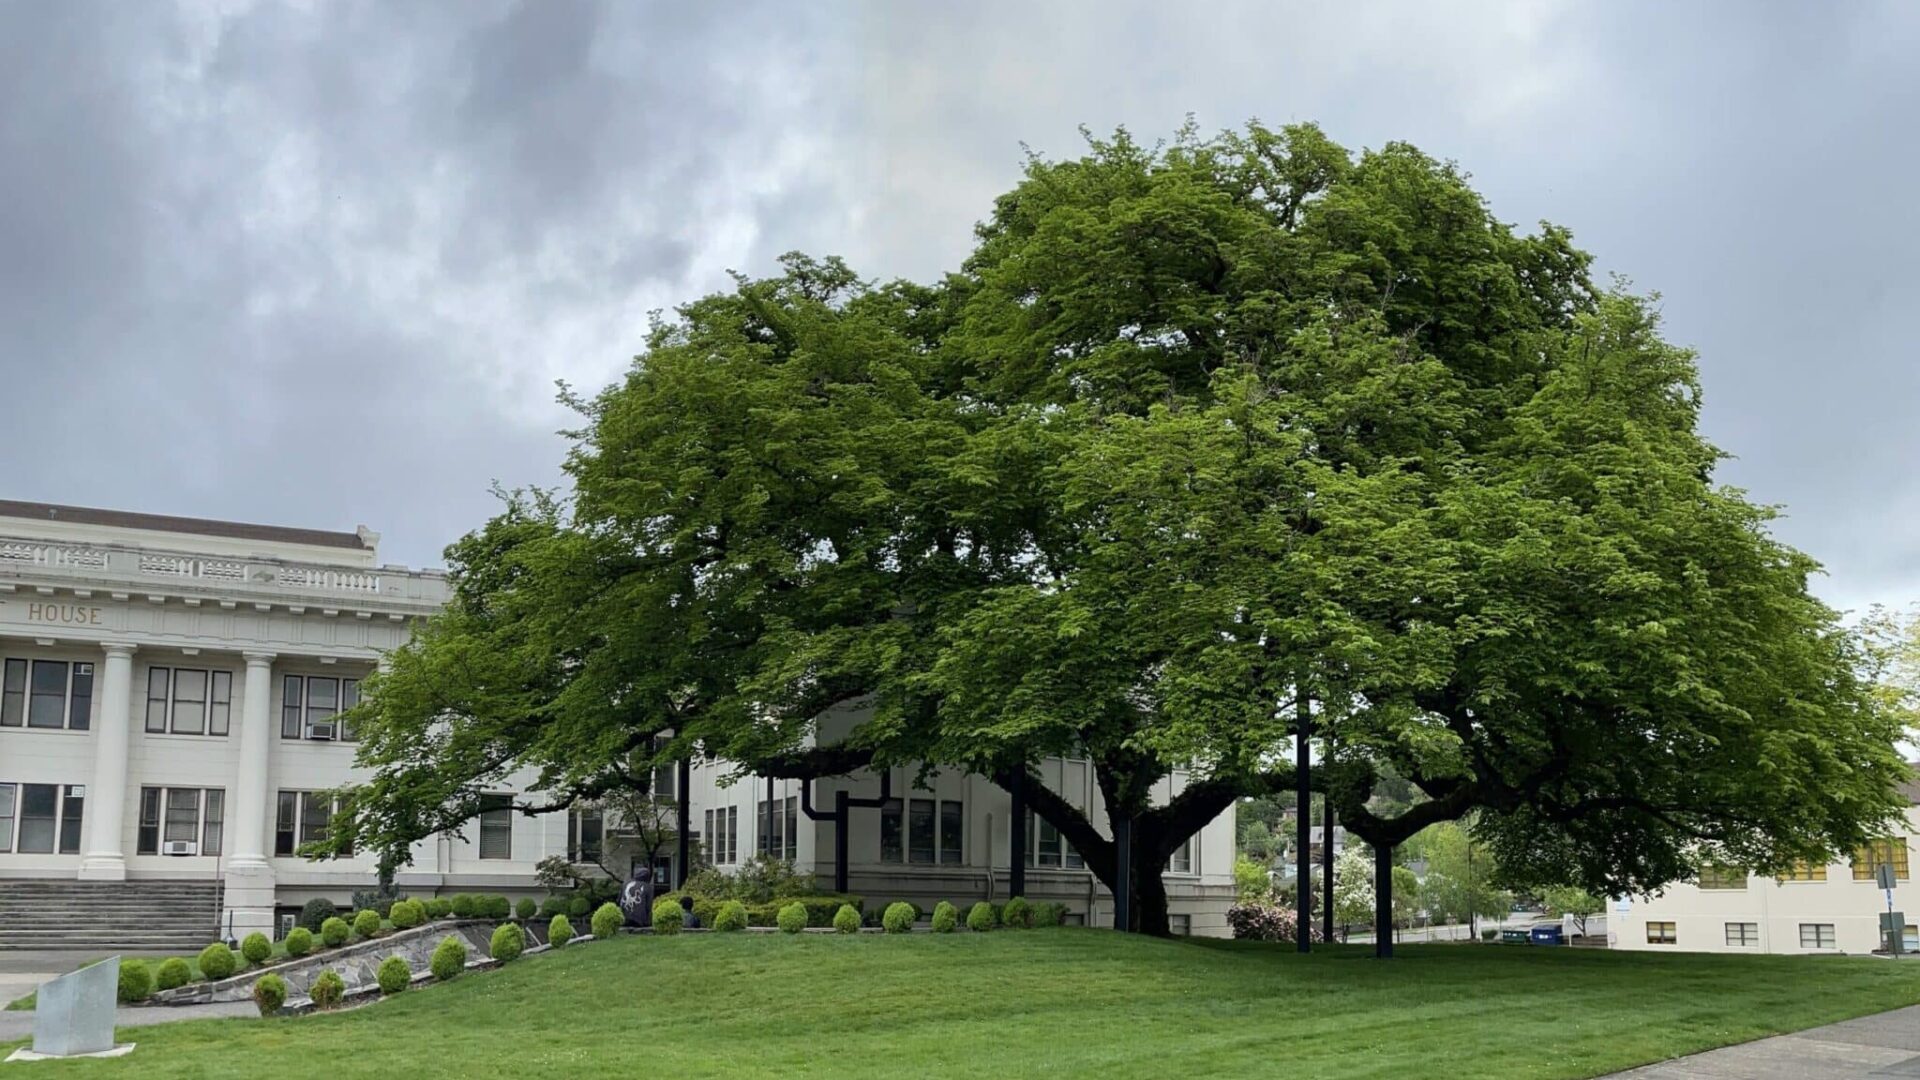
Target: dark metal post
{"points": [[1017, 848], [1303, 830], [768, 845], [1383, 902], [1123, 874], [840, 841], [684, 823], [1326, 862]]}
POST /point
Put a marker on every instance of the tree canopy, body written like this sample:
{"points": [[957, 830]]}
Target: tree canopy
{"points": [[1200, 433]]}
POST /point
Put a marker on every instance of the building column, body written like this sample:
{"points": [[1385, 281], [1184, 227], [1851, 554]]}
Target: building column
{"points": [[107, 795], [249, 879]]}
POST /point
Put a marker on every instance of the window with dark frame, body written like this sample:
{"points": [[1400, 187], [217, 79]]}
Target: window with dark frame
{"points": [[1047, 848], [1743, 933], [39, 818], [496, 826], [73, 808], [51, 695], [189, 701], [586, 828], [1816, 936], [302, 817], [920, 831], [892, 833], [952, 832], [1661, 933], [8, 793], [310, 707]]}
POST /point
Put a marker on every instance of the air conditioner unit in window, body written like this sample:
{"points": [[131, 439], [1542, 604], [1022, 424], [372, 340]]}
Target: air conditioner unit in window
{"points": [[180, 847], [320, 731]]}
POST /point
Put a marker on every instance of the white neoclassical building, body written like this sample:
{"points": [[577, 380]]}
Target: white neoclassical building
{"points": [[169, 689]]}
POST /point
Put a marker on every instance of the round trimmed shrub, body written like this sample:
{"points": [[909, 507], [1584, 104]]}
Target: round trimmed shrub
{"points": [[366, 923], [580, 905], [315, 912], [173, 973], [898, 918], [525, 909], [1049, 914], [269, 993], [945, 917], [439, 907], [1018, 914], [393, 975], [256, 948], [607, 921], [980, 917], [496, 907], [553, 905], [406, 915], [667, 916], [731, 916], [847, 919], [334, 932], [328, 989], [136, 981], [299, 941], [509, 941], [449, 958], [463, 906], [793, 918], [559, 931], [217, 961]]}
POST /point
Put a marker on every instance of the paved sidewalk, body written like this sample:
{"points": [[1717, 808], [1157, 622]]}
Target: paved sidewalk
{"points": [[1880, 1046], [19, 1025]]}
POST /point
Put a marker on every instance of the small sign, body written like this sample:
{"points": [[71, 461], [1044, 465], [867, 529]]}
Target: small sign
{"points": [[1883, 874], [1893, 925]]}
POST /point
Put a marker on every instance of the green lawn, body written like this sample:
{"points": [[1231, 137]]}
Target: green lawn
{"points": [[1055, 1002]]}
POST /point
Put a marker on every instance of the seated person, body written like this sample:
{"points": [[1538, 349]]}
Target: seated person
{"points": [[687, 918]]}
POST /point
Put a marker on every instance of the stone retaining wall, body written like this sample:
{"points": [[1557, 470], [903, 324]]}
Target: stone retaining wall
{"points": [[356, 963]]}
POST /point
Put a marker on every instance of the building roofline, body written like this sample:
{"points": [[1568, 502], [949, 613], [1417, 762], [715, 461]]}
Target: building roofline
{"points": [[361, 540]]}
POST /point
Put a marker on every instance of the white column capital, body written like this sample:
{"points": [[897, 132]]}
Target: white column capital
{"points": [[119, 648], [260, 659]]}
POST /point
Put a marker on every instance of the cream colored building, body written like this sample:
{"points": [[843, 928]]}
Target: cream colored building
{"points": [[168, 688], [1834, 908]]}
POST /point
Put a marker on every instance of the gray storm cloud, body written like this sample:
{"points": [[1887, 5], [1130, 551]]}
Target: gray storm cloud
{"points": [[320, 264]]}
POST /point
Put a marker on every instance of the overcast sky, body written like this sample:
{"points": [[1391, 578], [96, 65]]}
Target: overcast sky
{"points": [[320, 264]]}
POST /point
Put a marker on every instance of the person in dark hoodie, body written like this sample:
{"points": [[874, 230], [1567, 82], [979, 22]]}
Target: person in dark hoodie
{"points": [[688, 919]]}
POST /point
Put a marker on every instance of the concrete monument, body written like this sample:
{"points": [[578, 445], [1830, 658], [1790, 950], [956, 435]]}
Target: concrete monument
{"points": [[73, 1015]]}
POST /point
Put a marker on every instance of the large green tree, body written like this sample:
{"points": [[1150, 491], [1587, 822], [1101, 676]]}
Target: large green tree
{"points": [[1205, 441]]}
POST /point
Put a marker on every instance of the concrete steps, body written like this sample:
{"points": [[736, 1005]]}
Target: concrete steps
{"points": [[170, 916]]}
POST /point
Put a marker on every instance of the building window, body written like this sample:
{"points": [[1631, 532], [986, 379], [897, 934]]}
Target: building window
{"points": [[1181, 861], [187, 821], [72, 809], [923, 831], [952, 831], [662, 786], [189, 701], [920, 843], [8, 793], [723, 832], [1047, 848], [586, 827], [50, 694], [1722, 877], [1743, 933], [1180, 925], [1661, 933], [1805, 871], [50, 817], [1910, 939], [1816, 935], [311, 704], [892, 845], [1878, 852], [780, 837], [496, 826], [302, 817]]}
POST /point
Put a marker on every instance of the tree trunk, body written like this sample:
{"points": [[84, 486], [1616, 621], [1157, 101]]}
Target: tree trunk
{"points": [[1383, 902], [1149, 901]]}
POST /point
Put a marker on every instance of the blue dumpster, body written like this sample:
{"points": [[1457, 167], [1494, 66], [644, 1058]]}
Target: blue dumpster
{"points": [[1548, 935]]}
